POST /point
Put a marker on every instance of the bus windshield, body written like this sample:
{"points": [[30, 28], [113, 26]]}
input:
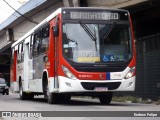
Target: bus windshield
{"points": [[97, 43]]}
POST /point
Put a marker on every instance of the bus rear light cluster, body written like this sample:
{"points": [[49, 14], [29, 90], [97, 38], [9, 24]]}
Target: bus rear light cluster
{"points": [[68, 73], [131, 73]]}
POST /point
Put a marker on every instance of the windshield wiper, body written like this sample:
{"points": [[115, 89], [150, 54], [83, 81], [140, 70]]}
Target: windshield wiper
{"points": [[88, 31], [109, 31]]}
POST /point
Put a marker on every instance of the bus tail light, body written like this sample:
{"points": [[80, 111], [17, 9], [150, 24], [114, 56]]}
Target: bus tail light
{"points": [[131, 73], [68, 73]]}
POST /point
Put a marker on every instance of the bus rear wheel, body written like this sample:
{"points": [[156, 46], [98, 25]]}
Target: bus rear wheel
{"points": [[7, 93], [23, 95], [106, 98]]}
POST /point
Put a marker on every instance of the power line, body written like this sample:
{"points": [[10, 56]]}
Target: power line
{"points": [[8, 11], [21, 14]]}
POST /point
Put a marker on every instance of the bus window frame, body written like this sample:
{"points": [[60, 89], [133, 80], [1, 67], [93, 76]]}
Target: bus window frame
{"points": [[31, 46], [20, 52], [41, 36]]}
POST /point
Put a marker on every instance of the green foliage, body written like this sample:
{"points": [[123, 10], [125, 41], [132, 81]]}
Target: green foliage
{"points": [[131, 99]]}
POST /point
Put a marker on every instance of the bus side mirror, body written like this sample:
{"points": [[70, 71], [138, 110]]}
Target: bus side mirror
{"points": [[55, 30]]}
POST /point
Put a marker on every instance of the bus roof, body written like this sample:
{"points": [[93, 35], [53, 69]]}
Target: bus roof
{"points": [[54, 14]]}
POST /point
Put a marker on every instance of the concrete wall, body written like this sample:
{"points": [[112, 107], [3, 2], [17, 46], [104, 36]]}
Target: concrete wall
{"points": [[108, 3], [3, 40], [113, 3], [25, 26], [71, 3]]}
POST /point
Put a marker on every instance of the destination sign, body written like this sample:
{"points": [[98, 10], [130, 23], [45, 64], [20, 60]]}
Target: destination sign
{"points": [[94, 15]]}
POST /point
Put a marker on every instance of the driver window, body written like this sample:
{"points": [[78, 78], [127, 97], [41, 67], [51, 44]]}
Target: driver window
{"points": [[37, 43]]}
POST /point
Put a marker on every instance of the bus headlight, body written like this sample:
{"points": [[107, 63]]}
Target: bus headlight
{"points": [[68, 73], [131, 73]]}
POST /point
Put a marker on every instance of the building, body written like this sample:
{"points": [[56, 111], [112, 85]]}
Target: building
{"points": [[145, 16]]}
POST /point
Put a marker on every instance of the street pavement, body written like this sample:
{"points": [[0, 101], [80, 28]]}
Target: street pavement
{"points": [[12, 103]]}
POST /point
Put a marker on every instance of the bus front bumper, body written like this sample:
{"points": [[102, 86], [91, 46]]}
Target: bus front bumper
{"points": [[69, 85]]}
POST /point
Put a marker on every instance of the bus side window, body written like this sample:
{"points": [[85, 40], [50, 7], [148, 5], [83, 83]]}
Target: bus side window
{"points": [[19, 53], [22, 53], [31, 46], [45, 39], [37, 43]]}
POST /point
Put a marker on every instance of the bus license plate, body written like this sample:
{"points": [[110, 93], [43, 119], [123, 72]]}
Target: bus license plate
{"points": [[99, 89]]}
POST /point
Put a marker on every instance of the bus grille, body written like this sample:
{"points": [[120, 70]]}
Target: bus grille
{"points": [[92, 85]]}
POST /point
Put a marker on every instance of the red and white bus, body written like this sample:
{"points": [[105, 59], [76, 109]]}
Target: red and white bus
{"points": [[76, 51]]}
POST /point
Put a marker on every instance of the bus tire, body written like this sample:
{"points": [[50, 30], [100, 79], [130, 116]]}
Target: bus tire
{"points": [[52, 98], [64, 98], [106, 98], [7, 93], [29, 96], [23, 95]]}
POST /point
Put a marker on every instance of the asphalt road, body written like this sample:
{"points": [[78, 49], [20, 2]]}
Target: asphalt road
{"points": [[13, 103]]}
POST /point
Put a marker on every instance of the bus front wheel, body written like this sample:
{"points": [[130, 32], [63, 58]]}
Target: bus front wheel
{"points": [[52, 98], [106, 98]]}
